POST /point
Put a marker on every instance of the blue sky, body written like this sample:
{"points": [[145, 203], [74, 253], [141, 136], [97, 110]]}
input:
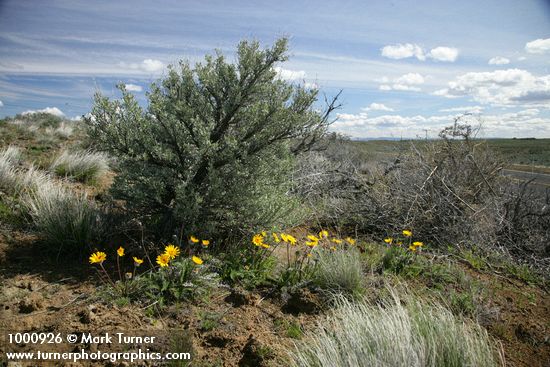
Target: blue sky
{"points": [[406, 68]]}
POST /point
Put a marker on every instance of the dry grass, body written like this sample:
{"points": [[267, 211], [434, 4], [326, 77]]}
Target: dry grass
{"points": [[398, 332], [64, 218], [85, 166]]}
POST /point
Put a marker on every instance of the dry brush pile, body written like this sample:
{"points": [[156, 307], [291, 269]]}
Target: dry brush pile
{"points": [[450, 191]]}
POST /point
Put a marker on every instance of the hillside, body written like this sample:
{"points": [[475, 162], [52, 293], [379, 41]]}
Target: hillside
{"points": [[251, 316]]}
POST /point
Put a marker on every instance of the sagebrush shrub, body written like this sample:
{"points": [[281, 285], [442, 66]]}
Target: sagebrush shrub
{"points": [[214, 148]]}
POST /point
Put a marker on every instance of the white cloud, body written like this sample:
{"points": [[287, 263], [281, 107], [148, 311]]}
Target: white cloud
{"points": [[401, 87], [538, 46], [147, 65], [152, 66], [446, 54], [377, 107], [51, 110], [523, 123], [1, 104], [134, 88], [501, 87], [406, 82], [499, 61], [406, 50], [410, 78], [290, 75], [463, 109], [403, 51]]}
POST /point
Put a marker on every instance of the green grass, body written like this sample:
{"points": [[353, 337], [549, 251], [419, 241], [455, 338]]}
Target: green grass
{"points": [[209, 320], [523, 151], [289, 328], [513, 151], [339, 272]]}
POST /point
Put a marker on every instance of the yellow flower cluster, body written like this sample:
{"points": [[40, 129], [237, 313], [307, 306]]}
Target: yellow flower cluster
{"points": [[194, 239], [413, 246], [258, 240], [311, 240], [99, 257], [170, 253]]}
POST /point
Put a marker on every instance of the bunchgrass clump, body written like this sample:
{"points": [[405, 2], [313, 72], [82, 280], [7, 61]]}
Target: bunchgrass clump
{"points": [[65, 219], [15, 180], [8, 175], [84, 166], [339, 272], [31, 179], [11, 154], [397, 332], [64, 130]]}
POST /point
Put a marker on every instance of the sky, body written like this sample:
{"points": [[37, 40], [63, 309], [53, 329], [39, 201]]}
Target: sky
{"points": [[406, 69]]}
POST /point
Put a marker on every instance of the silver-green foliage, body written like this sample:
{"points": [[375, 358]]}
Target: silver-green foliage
{"points": [[339, 272], [405, 332], [66, 219], [86, 166], [8, 170], [213, 151]]}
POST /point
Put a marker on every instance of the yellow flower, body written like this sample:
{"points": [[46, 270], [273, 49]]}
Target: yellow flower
{"points": [[265, 245], [98, 257], [205, 243], [163, 260], [399, 243], [258, 240], [137, 261], [407, 233], [336, 241], [312, 243], [309, 255], [333, 248], [264, 234], [388, 240], [276, 238], [197, 260], [412, 248], [323, 233], [418, 244], [120, 251], [312, 238], [291, 239], [350, 240], [172, 251], [193, 239]]}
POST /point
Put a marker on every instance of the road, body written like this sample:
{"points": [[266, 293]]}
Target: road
{"points": [[541, 181]]}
